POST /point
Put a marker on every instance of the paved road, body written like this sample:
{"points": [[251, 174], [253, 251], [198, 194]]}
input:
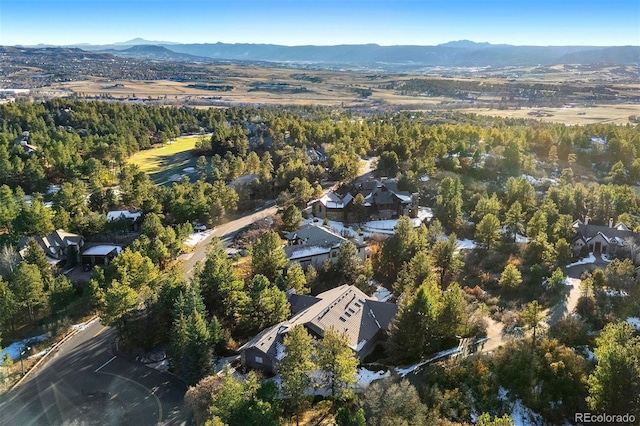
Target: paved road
{"points": [[83, 383], [225, 232]]}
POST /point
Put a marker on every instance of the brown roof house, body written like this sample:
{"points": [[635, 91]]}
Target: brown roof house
{"points": [[313, 245], [615, 240], [59, 246], [346, 309]]}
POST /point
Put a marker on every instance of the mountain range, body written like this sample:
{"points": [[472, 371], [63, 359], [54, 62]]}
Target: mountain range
{"points": [[462, 53]]}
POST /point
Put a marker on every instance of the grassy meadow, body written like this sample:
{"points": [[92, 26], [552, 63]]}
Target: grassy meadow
{"points": [[168, 161]]}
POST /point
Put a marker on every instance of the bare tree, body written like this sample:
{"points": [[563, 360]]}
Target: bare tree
{"points": [[9, 259], [634, 248]]}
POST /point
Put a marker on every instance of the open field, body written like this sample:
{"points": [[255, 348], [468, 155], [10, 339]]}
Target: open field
{"points": [[168, 162], [580, 115], [598, 95]]}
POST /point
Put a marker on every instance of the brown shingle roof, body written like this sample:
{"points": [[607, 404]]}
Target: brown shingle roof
{"points": [[346, 309]]}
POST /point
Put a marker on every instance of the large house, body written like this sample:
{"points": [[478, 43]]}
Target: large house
{"points": [[58, 246], [382, 200], [601, 239], [314, 245], [346, 309]]}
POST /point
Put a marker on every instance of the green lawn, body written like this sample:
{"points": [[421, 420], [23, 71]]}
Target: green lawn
{"points": [[168, 160]]}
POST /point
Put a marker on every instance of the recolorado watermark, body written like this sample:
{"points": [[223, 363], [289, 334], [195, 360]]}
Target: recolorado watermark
{"points": [[604, 418]]}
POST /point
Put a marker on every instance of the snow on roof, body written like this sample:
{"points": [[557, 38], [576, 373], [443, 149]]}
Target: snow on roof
{"points": [[122, 214], [308, 251], [102, 250]]}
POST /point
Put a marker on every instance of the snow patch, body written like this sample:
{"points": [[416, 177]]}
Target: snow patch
{"points": [[196, 238], [589, 259], [14, 349], [366, 377], [442, 354], [635, 322], [382, 294], [466, 244]]}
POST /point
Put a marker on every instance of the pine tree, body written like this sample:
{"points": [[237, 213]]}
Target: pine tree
{"points": [[511, 277], [296, 279], [35, 256], [532, 316], [291, 218], [296, 367], [337, 361], [488, 232], [268, 256], [197, 357], [614, 385], [446, 259], [448, 208], [414, 332], [514, 221], [28, 288]]}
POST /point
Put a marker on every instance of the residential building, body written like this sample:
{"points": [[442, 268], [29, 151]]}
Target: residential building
{"points": [[313, 244], [346, 309], [382, 200], [614, 240], [58, 246]]}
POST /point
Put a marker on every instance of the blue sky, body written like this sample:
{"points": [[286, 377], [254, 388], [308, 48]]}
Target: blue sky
{"points": [[328, 22]]}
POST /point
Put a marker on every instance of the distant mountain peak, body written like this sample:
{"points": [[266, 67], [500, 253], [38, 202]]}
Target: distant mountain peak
{"points": [[466, 44], [140, 41]]}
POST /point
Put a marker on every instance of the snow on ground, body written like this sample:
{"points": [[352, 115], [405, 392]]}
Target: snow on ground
{"points": [[83, 325], [382, 294], [524, 416], [442, 354], [521, 239], [590, 259], [616, 293], [366, 377], [425, 213], [635, 322], [466, 244], [14, 349], [196, 238], [605, 258]]}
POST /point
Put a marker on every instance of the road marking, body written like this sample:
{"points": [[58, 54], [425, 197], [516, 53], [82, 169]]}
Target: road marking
{"points": [[101, 330], [105, 364]]}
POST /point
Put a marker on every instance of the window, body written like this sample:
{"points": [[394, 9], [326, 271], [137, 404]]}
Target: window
{"points": [[259, 359], [343, 319]]}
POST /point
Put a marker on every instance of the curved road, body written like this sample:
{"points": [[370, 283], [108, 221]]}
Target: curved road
{"points": [[84, 383]]}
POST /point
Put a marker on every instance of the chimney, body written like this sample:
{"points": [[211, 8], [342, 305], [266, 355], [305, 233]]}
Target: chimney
{"points": [[610, 222], [586, 220]]}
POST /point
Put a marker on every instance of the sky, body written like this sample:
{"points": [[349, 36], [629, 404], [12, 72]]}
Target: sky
{"points": [[322, 22]]}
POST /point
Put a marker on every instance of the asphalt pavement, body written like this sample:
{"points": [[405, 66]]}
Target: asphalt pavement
{"points": [[85, 383]]}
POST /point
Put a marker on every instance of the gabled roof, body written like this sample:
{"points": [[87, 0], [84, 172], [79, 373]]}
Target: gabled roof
{"points": [[618, 233], [346, 309], [383, 192], [332, 200], [122, 214], [311, 240], [54, 242]]}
